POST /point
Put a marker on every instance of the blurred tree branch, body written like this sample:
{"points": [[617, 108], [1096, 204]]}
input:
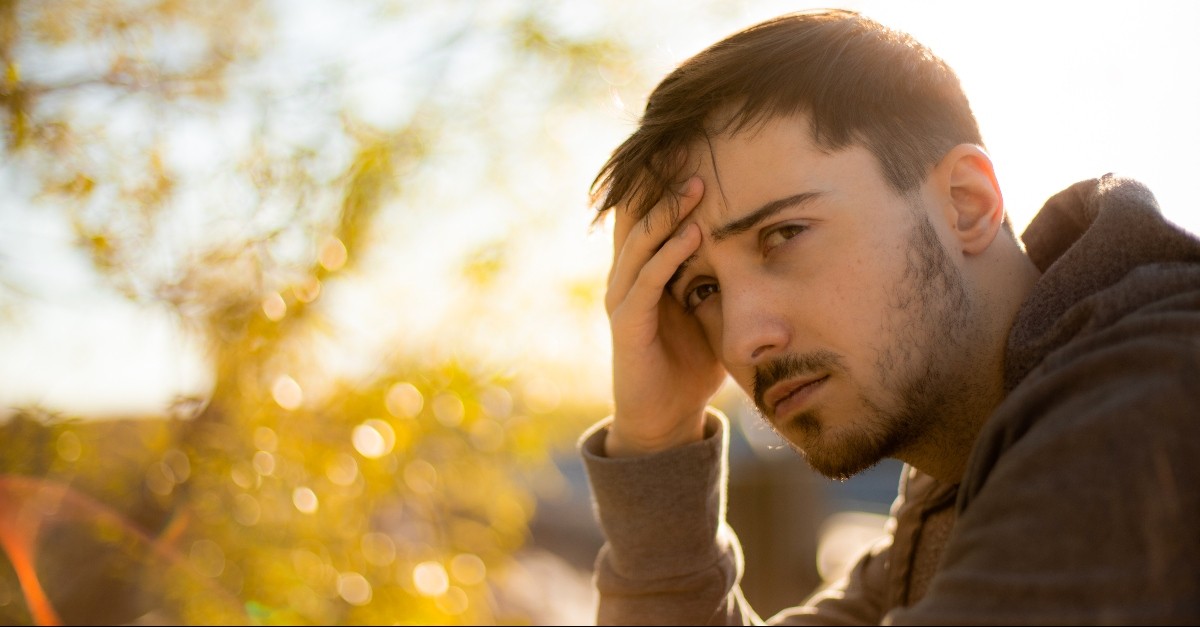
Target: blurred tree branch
{"points": [[204, 169]]}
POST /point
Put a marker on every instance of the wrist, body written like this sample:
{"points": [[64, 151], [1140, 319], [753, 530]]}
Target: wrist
{"points": [[619, 443]]}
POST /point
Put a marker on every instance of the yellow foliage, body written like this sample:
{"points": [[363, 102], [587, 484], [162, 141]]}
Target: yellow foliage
{"points": [[287, 495]]}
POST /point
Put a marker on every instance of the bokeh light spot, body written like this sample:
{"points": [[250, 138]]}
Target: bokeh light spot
{"points": [[244, 475], [274, 307], [305, 600], [68, 446], [421, 477], [378, 548], [307, 290], [430, 579], [496, 401], [468, 569], [404, 400], [454, 601], [178, 462], [287, 392], [487, 435], [246, 510], [264, 463], [159, 479], [265, 439], [333, 254], [309, 566], [341, 469], [368, 442], [373, 438], [448, 409], [305, 500], [207, 558], [354, 588]]}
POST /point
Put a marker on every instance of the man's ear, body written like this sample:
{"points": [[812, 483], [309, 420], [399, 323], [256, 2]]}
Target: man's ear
{"points": [[971, 197]]}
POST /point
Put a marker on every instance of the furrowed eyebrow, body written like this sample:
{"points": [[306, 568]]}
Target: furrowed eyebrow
{"points": [[741, 225], [747, 222]]}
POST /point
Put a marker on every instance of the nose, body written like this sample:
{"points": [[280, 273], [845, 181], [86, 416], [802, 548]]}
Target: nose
{"points": [[754, 327]]}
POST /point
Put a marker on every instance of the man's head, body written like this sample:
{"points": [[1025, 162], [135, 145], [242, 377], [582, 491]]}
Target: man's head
{"points": [[847, 275], [855, 80]]}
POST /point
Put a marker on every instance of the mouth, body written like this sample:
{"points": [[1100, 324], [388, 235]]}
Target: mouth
{"points": [[788, 396]]}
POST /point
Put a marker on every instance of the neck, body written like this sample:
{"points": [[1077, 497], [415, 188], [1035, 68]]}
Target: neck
{"points": [[1003, 279]]}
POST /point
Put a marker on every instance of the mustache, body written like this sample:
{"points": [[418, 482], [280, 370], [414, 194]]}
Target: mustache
{"points": [[788, 366]]}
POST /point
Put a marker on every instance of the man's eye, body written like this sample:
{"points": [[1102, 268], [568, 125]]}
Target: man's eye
{"points": [[777, 236], [693, 298]]}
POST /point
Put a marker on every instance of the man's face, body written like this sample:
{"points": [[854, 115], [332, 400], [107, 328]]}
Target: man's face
{"points": [[829, 297]]}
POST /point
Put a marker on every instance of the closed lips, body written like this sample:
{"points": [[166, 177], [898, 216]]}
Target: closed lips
{"points": [[784, 390]]}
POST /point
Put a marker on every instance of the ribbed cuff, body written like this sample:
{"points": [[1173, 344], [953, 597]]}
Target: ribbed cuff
{"points": [[661, 512]]}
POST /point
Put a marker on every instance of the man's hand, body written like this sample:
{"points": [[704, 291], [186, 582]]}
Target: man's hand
{"points": [[664, 371]]}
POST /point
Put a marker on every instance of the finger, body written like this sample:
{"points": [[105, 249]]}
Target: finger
{"points": [[625, 221], [647, 289], [641, 244], [642, 238]]}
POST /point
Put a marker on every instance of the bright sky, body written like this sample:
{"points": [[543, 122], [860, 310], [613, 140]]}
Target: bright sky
{"points": [[1063, 92]]}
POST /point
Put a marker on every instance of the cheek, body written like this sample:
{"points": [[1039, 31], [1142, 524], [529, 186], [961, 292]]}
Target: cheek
{"points": [[710, 326], [744, 377], [849, 304]]}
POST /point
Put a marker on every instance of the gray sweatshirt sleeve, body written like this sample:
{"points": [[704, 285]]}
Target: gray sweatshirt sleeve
{"points": [[670, 557]]}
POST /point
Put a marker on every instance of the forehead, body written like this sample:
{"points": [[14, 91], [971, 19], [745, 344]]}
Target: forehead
{"points": [[772, 160]]}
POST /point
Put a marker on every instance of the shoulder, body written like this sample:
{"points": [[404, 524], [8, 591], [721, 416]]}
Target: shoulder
{"points": [[1082, 497], [1130, 375]]}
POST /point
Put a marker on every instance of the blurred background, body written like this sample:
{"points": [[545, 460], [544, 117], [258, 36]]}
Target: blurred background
{"points": [[301, 312]]}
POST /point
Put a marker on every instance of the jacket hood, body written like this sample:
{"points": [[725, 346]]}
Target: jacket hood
{"points": [[1086, 239]]}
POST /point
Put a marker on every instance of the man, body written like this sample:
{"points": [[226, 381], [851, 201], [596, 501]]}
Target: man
{"points": [[807, 207]]}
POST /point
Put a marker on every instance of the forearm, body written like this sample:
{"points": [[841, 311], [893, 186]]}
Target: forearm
{"points": [[669, 558]]}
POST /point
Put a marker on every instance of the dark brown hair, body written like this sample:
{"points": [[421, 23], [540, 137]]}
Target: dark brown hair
{"points": [[856, 80]]}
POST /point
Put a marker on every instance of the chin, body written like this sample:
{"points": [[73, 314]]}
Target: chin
{"points": [[839, 453]]}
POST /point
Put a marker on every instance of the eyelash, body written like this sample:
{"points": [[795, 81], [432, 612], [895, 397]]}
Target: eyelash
{"points": [[793, 229]]}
